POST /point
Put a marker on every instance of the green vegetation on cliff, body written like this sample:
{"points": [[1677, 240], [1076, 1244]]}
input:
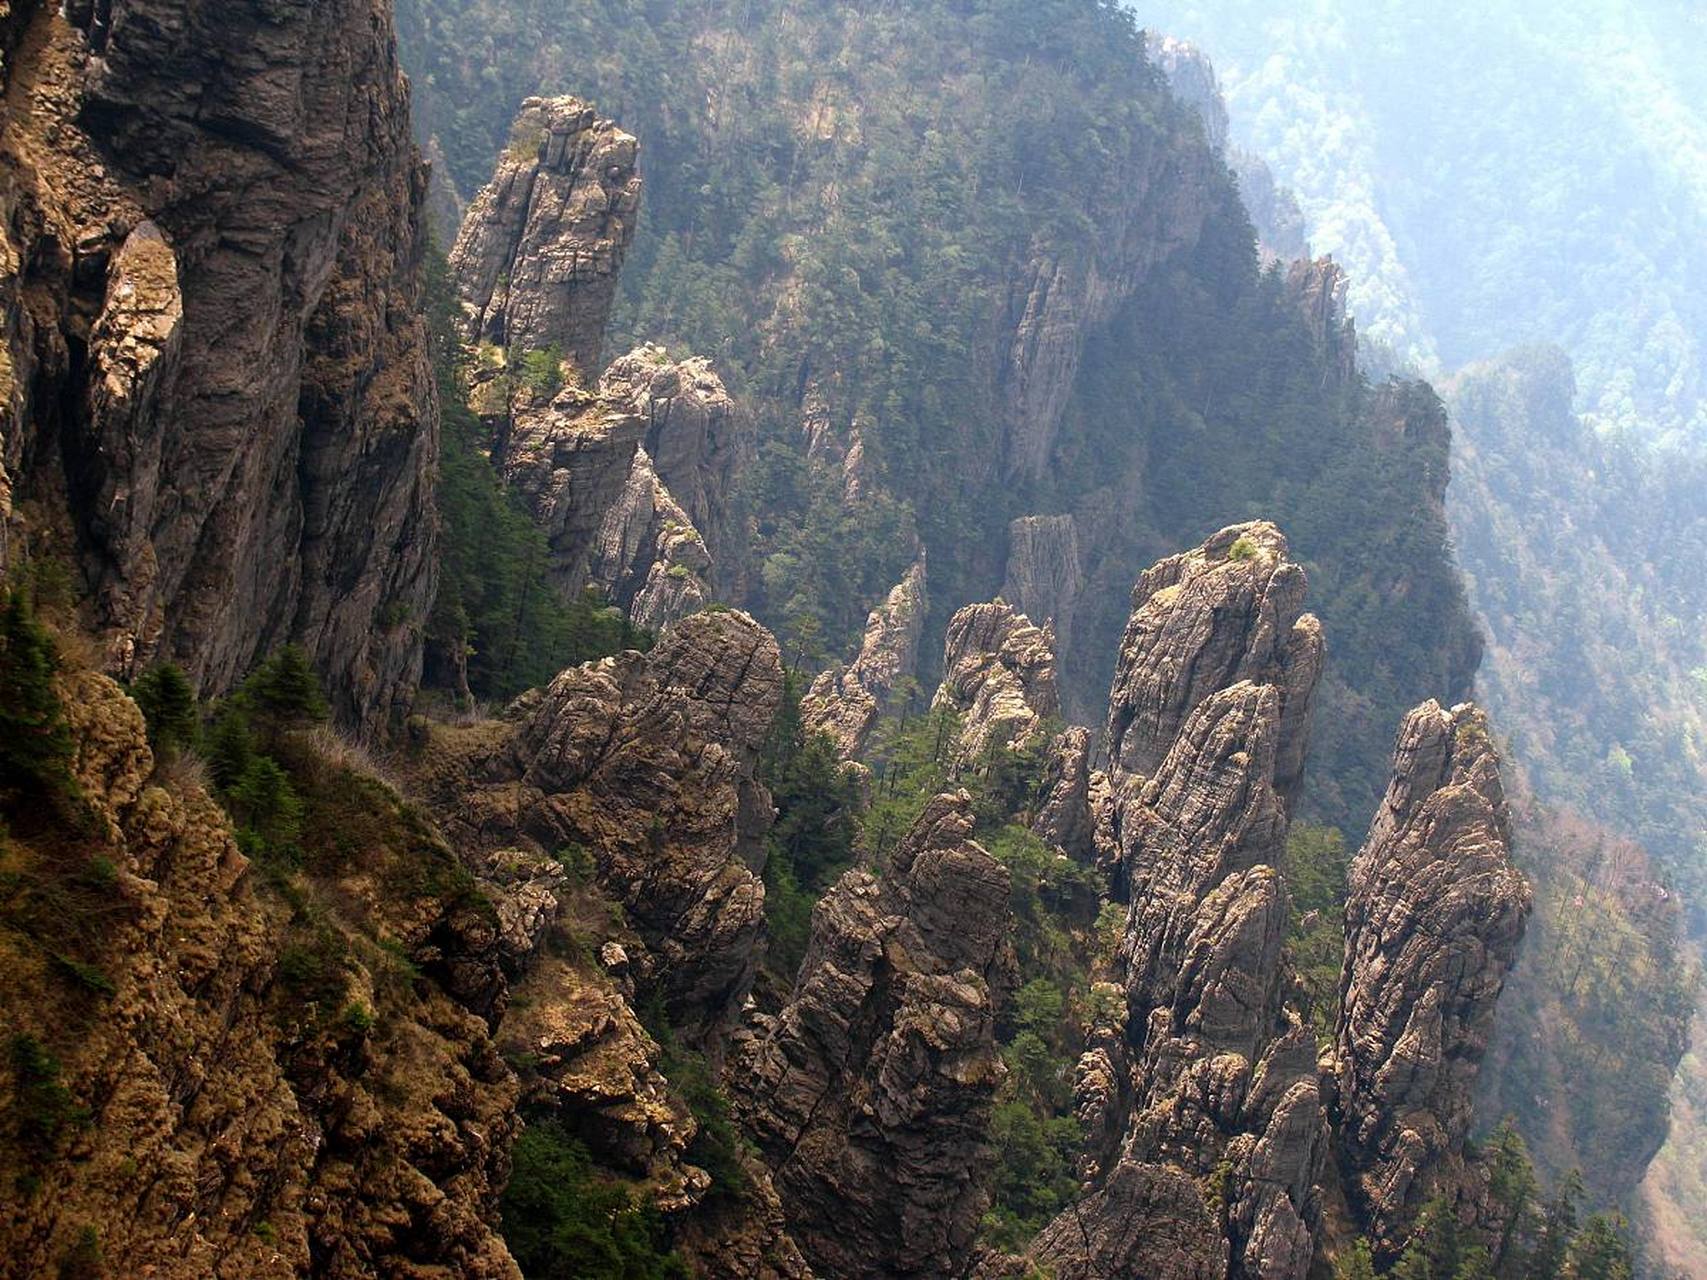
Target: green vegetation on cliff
{"points": [[850, 208]]}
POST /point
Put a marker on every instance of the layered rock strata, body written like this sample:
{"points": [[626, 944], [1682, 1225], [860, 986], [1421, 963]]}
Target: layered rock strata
{"points": [[1206, 1135], [1044, 574], [216, 366], [537, 260], [646, 762], [870, 1093], [1433, 921], [998, 677], [846, 701], [1229, 611]]}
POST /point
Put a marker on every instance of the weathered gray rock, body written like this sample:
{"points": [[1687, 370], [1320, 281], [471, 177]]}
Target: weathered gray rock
{"points": [[537, 259], [870, 1093], [1148, 204], [1044, 574], [245, 450], [647, 555], [1319, 289], [1433, 921], [1066, 818], [999, 677], [1205, 1130], [647, 762], [696, 435], [1228, 611], [844, 702]]}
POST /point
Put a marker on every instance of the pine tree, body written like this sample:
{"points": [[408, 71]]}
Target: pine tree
{"points": [[1358, 1264], [1600, 1253], [35, 744], [168, 703]]}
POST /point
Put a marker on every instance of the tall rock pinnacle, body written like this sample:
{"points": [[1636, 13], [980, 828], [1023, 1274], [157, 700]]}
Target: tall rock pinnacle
{"points": [[1433, 922], [537, 260]]}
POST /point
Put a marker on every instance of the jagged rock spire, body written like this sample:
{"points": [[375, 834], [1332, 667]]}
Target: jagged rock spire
{"points": [[870, 1094], [1209, 1133], [1201, 621], [845, 701], [1433, 922], [537, 259]]}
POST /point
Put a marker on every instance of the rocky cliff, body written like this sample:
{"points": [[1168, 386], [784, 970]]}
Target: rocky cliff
{"points": [[1214, 1139], [1433, 921], [845, 701], [537, 258], [646, 762], [1207, 1137], [216, 400], [242, 1081], [631, 474], [870, 1093]]}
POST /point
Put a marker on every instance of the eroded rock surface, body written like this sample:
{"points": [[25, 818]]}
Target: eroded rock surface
{"points": [[1433, 921], [999, 677], [1044, 574], [1205, 1130], [216, 364], [845, 702], [646, 761], [537, 260], [372, 1143], [696, 435], [870, 1093], [1231, 610]]}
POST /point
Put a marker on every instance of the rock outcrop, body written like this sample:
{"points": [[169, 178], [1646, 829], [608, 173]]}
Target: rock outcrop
{"points": [[869, 1094], [584, 463], [1229, 611], [696, 435], [1044, 574], [269, 1091], [1191, 77], [845, 701], [999, 677], [1433, 921], [216, 367], [1205, 1130], [537, 260], [646, 762]]}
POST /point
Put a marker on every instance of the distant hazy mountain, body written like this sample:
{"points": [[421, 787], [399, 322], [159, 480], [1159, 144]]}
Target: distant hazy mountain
{"points": [[1493, 175]]}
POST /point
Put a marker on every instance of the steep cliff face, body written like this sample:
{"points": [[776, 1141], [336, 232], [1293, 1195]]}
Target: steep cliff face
{"points": [[870, 1093], [255, 1084], [845, 701], [217, 381], [1214, 1140], [1219, 1088], [537, 259], [1433, 921], [1043, 574]]}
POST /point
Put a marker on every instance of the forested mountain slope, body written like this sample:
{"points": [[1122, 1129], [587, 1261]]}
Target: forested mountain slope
{"points": [[970, 266], [1493, 176], [413, 861]]}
